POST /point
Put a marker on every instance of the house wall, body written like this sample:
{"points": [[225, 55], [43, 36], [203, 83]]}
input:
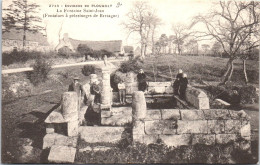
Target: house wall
{"points": [[9, 45]]}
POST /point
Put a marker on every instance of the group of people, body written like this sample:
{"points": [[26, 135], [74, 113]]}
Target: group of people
{"points": [[88, 94], [180, 85], [94, 90]]}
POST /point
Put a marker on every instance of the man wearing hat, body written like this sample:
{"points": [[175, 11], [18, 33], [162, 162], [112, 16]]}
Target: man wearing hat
{"points": [[77, 87]]}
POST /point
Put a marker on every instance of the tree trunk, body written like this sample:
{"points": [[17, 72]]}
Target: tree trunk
{"points": [[153, 47], [228, 74], [145, 48], [244, 70], [154, 72]]}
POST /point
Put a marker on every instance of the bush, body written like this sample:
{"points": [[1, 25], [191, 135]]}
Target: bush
{"points": [[41, 68], [131, 65], [23, 56], [64, 52], [88, 70]]}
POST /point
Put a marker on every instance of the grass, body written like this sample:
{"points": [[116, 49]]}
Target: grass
{"points": [[160, 153], [199, 68]]}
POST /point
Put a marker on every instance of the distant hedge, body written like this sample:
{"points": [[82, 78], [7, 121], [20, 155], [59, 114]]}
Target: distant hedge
{"points": [[23, 56], [83, 49]]}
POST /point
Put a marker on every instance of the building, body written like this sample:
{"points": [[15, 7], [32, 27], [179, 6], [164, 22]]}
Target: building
{"points": [[13, 40], [129, 50], [114, 46]]}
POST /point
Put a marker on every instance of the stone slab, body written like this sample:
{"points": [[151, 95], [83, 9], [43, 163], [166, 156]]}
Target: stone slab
{"points": [[117, 118], [72, 128], [153, 115], [176, 140], [138, 138], [170, 114], [100, 134], [216, 126], [245, 130], [203, 103], [232, 126], [49, 140], [154, 127], [216, 114], [239, 115], [170, 127], [195, 126], [62, 154], [192, 114], [57, 117], [203, 139], [62, 140], [225, 138], [150, 139], [105, 114], [138, 128]]}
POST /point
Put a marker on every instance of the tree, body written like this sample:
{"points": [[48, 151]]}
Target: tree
{"points": [[216, 49], [141, 19], [163, 42], [229, 24], [158, 47], [155, 23], [21, 15], [205, 48], [181, 33], [192, 46]]}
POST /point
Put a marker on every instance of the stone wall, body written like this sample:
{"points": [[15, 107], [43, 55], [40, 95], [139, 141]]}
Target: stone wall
{"points": [[176, 127], [153, 87], [188, 127]]}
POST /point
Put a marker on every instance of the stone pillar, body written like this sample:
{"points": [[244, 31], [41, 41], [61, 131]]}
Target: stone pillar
{"points": [[70, 112], [106, 89], [69, 104], [138, 105], [93, 78], [129, 80], [138, 114]]}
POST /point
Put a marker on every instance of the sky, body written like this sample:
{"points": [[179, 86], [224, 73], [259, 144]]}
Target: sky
{"points": [[170, 11]]}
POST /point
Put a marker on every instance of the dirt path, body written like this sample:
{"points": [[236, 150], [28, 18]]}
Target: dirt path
{"points": [[99, 63]]}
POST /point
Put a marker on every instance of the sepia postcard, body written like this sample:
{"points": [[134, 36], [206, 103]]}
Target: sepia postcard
{"points": [[130, 81]]}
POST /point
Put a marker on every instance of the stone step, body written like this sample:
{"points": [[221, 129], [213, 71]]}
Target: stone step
{"points": [[100, 134], [62, 154]]}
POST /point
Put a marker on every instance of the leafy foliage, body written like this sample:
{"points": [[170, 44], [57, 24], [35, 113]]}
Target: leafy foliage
{"points": [[64, 51], [131, 65], [88, 70], [41, 68]]}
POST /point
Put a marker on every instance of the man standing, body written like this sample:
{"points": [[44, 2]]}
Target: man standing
{"points": [[141, 78], [176, 84], [183, 86], [76, 87]]}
